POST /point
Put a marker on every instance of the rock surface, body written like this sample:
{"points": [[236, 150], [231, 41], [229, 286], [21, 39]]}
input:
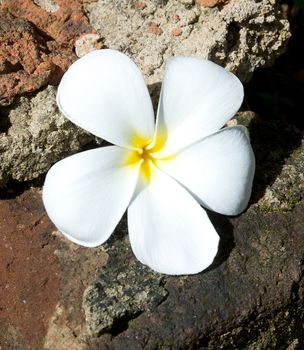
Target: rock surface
{"points": [[241, 36], [252, 296], [150, 32], [43, 278], [122, 291], [210, 3], [35, 136], [102, 298], [22, 66], [57, 295], [37, 41]]}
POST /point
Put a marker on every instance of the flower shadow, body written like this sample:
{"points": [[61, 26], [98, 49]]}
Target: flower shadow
{"points": [[224, 229], [15, 188], [273, 142]]}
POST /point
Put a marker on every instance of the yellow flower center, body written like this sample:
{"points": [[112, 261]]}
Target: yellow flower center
{"points": [[147, 164], [146, 154]]}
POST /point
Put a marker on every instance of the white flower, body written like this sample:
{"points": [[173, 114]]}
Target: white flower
{"points": [[162, 173]]}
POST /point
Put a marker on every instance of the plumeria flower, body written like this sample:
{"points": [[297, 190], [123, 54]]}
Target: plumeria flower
{"points": [[163, 172]]}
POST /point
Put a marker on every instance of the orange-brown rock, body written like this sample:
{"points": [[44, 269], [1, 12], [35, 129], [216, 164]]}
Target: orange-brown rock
{"points": [[29, 274], [43, 277], [177, 31], [36, 46], [140, 5], [22, 67], [64, 25], [155, 29], [210, 3]]}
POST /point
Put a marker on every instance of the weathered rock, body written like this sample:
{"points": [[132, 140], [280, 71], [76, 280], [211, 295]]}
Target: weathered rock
{"points": [[149, 32], [122, 291], [22, 67], [43, 277], [28, 279], [47, 5], [87, 43], [242, 35], [210, 3], [34, 135], [252, 297], [64, 25], [37, 43]]}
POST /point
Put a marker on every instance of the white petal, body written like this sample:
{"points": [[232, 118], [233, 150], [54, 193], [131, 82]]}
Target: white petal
{"points": [[218, 170], [85, 195], [198, 97], [105, 93], [168, 229]]}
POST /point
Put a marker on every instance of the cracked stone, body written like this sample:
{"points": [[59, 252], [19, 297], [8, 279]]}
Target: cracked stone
{"points": [[241, 36], [36, 135], [37, 42], [121, 291], [235, 299]]}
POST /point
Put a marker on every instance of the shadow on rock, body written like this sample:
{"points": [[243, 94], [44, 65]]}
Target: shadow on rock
{"points": [[225, 230], [273, 141], [154, 91], [14, 188]]}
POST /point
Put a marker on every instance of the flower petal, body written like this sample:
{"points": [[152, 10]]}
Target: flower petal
{"points": [[218, 170], [85, 195], [198, 97], [168, 229], [105, 93]]}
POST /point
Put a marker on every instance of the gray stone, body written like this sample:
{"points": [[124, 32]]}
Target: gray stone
{"points": [[122, 291], [87, 43], [252, 297], [47, 5], [241, 36], [34, 135]]}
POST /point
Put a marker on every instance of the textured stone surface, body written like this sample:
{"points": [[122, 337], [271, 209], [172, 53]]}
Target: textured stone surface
{"points": [[22, 64], [34, 135], [122, 291], [252, 296], [87, 43], [210, 3], [263, 274], [43, 278], [56, 295], [242, 35], [29, 285], [37, 41], [150, 32]]}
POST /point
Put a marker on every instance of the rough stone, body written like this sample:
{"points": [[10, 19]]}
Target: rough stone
{"points": [[150, 34], [64, 26], [186, 2], [255, 293], [34, 135], [252, 297], [43, 277], [37, 43], [22, 67], [210, 3], [56, 295], [47, 5], [87, 43], [121, 291], [241, 36]]}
